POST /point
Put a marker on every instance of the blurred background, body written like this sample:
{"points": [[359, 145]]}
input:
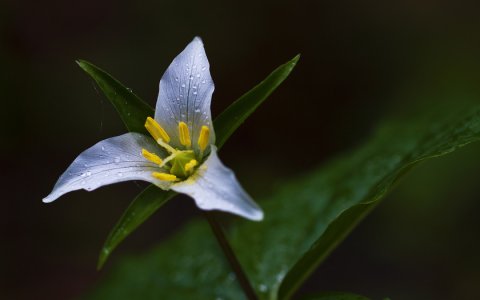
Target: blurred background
{"points": [[361, 62]]}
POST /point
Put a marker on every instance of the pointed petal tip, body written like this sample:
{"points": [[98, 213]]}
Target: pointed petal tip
{"points": [[257, 216], [198, 39], [48, 199]]}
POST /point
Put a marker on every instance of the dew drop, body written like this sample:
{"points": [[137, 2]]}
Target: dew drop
{"points": [[119, 174], [183, 85], [191, 77], [103, 148], [204, 81], [176, 78], [88, 173], [262, 287], [197, 110], [204, 68], [198, 75], [117, 160], [194, 93]]}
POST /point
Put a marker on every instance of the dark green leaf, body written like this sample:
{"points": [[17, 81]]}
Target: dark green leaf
{"points": [[183, 269], [304, 220], [132, 110], [141, 208], [335, 296]]}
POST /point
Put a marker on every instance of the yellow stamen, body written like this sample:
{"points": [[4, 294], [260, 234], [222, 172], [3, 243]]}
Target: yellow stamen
{"points": [[190, 165], [203, 138], [151, 157], [164, 176], [156, 130], [166, 146], [184, 134]]}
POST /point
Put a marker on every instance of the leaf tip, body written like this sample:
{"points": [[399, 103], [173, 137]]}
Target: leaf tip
{"points": [[296, 58], [102, 258]]}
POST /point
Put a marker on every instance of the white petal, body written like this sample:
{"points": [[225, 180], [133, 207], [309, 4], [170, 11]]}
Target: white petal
{"points": [[214, 186], [185, 94], [110, 161]]}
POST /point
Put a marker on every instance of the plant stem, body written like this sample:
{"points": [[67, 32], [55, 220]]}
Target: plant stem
{"points": [[230, 255]]}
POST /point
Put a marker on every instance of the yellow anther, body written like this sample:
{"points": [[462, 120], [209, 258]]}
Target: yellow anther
{"points": [[190, 165], [156, 130], [203, 138], [164, 176], [151, 157], [184, 134]]}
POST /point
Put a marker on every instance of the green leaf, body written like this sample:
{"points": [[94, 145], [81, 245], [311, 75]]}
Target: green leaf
{"points": [[232, 117], [132, 110], [304, 220], [183, 269], [335, 296], [141, 208]]}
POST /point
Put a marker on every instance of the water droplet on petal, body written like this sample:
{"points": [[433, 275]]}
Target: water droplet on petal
{"points": [[183, 85], [117, 160]]}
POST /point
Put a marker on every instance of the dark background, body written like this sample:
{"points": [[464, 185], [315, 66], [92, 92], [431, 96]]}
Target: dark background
{"points": [[361, 62]]}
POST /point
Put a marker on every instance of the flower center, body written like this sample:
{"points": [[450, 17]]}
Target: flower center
{"points": [[179, 164]]}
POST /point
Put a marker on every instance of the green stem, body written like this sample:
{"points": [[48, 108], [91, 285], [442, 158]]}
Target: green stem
{"points": [[230, 255]]}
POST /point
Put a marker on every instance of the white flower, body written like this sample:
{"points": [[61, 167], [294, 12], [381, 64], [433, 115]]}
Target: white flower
{"points": [[180, 154]]}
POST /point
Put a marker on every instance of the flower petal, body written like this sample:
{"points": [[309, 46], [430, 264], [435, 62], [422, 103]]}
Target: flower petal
{"points": [[185, 94], [214, 186], [110, 161]]}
